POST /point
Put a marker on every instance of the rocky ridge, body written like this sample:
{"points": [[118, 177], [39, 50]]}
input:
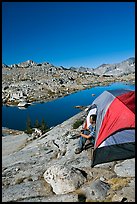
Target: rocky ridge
{"points": [[116, 70], [46, 169], [29, 81], [119, 69]]}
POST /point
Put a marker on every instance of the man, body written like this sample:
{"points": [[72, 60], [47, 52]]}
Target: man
{"points": [[88, 134]]}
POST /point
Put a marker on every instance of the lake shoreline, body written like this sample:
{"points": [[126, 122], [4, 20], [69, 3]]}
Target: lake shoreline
{"points": [[42, 109], [104, 83], [8, 131]]}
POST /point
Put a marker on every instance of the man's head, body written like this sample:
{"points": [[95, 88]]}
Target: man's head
{"points": [[93, 118]]}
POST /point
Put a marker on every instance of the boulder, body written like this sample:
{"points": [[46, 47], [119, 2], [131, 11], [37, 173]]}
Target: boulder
{"points": [[125, 168], [97, 190], [22, 104], [64, 179]]}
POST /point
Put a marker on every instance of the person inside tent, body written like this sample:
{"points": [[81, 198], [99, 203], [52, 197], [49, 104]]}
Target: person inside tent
{"points": [[87, 134]]}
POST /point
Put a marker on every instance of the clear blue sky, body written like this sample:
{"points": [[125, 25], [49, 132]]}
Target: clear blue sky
{"points": [[68, 33]]}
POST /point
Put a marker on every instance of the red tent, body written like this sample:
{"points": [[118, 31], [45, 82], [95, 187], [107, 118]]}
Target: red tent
{"points": [[115, 126]]}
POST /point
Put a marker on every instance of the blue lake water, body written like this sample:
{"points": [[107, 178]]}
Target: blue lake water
{"points": [[56, 111]]}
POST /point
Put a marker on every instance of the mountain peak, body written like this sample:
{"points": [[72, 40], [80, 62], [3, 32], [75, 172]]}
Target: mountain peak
{"points": [[27, 63]]}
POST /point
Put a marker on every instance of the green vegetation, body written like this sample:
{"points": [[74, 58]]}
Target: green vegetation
{"points": [[28, 126], [77, 124], [36, 124], [43, 126]]}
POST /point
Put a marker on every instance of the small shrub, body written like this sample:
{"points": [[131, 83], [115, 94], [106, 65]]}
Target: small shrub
{"points": [[29, 131], [77, 124]]}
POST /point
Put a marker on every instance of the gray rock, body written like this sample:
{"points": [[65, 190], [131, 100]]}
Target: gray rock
{"points": [[64, 179], [22, 104], [119, 69], [25, 190], [71, 197], [125, 168], [97, 190]]}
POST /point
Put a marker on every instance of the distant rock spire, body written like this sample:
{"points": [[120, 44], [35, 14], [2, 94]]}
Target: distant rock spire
{"points": [[27, 63]]}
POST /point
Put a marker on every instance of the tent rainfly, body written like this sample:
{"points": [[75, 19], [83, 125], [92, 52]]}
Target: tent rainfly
{"points": [[115, 126]]}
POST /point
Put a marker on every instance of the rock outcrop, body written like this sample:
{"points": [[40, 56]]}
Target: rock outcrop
{"points": [[119, 69]]}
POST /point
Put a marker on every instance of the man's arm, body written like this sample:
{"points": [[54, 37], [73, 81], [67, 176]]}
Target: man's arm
{"points": [[85, 136], [89, 135]]}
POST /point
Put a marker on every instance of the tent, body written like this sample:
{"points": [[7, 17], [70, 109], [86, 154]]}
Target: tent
{"points": [[115, 126]]}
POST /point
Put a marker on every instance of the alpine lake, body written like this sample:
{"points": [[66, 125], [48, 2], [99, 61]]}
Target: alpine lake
{"points": [[56, 111]]}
